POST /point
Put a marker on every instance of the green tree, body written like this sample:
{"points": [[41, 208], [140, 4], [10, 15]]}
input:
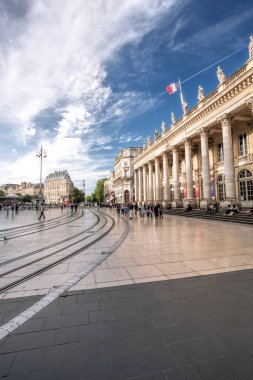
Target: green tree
{"points": [[76, 195], [99, 190], [26, 198], [2, 193]]}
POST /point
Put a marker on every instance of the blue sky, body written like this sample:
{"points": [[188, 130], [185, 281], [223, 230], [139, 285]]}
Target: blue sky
{"points": [[76, 75]]}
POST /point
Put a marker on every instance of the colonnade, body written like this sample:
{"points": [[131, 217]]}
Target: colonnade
{"points": [[152, 180]]}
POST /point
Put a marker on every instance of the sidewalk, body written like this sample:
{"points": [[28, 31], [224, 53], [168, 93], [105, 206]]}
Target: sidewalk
{"points": [[182, 329]]}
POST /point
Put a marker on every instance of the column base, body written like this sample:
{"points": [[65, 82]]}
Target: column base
{"points": [[166, 203], [205, 202], [192, 202], [229, 202], [177, 203]]}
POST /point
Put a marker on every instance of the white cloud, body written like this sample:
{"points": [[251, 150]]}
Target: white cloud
{"points": [[55, 56]]}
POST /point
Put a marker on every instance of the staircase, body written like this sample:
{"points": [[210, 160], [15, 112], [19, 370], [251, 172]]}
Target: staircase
{"points": [[242, 217]]}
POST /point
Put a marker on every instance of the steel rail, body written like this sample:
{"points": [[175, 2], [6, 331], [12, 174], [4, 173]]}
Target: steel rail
{"points": [[38, 225], [44, 229], [50, 245], [59, 261]]}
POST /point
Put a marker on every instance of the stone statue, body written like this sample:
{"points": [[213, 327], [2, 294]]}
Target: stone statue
{"points": [[251, 47], [156, 134], [185, 108], [173, 119], [149, 140], [200, 93], [144, 144], [221, 76], [163, 127]]}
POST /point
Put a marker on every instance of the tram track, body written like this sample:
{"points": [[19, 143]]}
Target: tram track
{"points": [[38, 223], [41, 228], [61, 260], [50, 245]]}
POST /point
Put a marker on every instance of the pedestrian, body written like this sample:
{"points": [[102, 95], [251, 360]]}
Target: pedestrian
{"points": [[161, 211], [118, 209], [72, 207], [156, 210], [131, 213], [75, 206], [42, 209], [122, 209]]}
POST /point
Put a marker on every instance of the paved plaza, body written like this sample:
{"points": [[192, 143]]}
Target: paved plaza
{"points": [[168, 298]]}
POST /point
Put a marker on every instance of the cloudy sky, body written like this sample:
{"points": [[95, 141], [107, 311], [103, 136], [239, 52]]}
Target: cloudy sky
{"points": [[82, 77]]}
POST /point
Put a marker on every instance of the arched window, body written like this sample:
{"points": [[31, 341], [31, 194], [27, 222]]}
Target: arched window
{"points": [[172, 192], [246, 185], [126, 196], [221, 187]]}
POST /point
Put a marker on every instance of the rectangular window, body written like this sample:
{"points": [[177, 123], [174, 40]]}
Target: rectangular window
{"points": [[220, 152], [243, 148]]}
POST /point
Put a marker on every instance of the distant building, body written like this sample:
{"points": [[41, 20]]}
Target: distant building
{"points": [[119, 187], [26, 188], [109, 194], [57, 187]]}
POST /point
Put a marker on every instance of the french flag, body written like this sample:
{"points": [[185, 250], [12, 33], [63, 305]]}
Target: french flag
{"points": [[173, 87]]}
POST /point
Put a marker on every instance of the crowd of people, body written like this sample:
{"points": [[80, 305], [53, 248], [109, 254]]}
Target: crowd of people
{"points": [[149, 211]]}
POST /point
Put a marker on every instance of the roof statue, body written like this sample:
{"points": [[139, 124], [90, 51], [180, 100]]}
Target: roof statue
{"points": [[144, 144], [149, 140], [155, 134], [185, 108], [221, 76], [163, 127], [251, 47], [173, 119], [200, 93]]}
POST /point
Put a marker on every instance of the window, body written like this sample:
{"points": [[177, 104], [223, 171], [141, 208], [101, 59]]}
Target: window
{"points": [[246, 185], [243, 148], [220, 152], [221, 187]]}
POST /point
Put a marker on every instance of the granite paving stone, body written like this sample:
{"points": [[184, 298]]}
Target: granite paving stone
{"points": [[137, 333]]}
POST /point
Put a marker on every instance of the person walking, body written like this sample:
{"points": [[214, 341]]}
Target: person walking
{"points": [[161, 211], [42, 209]]}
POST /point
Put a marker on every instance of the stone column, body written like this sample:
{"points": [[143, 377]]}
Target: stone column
{"points": [[150, 182], [225, 121], [176, 202], [188, 169], [136, 186], [249, 103], [165, 177], [144, 171], [205, 166], [157, 180], [140, 185]]}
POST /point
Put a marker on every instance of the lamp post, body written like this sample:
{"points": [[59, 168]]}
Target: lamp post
{"points": [[84, 190], [41, 154]]}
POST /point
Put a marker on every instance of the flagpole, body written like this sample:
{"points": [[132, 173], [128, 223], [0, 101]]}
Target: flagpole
{"points": [[181, 94]]}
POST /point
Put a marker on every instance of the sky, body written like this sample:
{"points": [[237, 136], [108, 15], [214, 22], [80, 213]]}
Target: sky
{"points": [[82, 78]]}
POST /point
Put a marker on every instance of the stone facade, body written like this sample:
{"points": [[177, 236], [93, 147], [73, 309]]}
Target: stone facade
{"points": [[109, 194], [57, 187], [25, 188], [206, 155], [119, 187]]}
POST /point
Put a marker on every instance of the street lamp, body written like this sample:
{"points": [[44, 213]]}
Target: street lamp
{"points": [[41, 154], [84, 190]]}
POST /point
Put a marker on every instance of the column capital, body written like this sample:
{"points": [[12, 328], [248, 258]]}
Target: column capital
{"points": [[249, 103], [187, 142], [225, 120], [174, 148], [203, 132], [165, 153]]}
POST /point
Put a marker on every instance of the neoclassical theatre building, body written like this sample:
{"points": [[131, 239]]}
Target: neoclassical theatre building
{"points": [[206, 155]]}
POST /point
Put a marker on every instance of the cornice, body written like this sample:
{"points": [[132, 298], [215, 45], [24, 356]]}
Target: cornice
{"points": [[234, 85]]}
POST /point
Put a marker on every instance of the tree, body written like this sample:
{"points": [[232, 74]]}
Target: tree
{"points": [[99, 190], [76, 195], [2, 193], [26, 198]]}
